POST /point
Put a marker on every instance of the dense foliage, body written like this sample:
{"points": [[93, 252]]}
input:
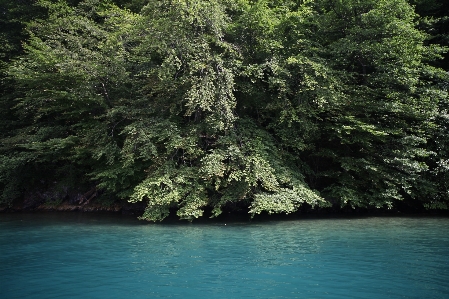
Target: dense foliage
{"points": [[227, 104]]}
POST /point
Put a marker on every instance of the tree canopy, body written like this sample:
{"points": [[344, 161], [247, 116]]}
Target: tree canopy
{"points": [[192, 105]]}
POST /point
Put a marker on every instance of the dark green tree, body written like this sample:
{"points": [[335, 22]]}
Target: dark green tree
{"points": [[66, 82], [435, 21], [373, 142], [196, 105]]}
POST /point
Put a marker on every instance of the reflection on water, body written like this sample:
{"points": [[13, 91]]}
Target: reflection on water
{"points": [[72, 256]]}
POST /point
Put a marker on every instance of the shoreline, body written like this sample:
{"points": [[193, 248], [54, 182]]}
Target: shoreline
{"points": [[136, 209]]}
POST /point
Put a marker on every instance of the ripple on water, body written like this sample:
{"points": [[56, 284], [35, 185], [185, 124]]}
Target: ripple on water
{"points": [[69, 257]]}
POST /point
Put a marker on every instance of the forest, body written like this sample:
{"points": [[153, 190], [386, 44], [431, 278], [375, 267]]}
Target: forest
{"points": [[205, 106]]}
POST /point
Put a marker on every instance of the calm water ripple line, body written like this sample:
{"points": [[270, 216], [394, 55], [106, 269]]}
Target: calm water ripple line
{"points": [[95, 256]]}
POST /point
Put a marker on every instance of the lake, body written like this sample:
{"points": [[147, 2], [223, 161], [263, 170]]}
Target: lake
{"points": [[74, 255]]}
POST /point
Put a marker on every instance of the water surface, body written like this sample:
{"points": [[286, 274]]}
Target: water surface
{"points": [[94, 256]]}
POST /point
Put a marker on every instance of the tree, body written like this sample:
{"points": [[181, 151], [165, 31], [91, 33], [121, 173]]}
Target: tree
{"points": [[212, 154], [435, 21], [66, 83], [374, 136], [268, 106]]}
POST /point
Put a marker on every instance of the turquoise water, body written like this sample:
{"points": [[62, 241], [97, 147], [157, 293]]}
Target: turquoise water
{"points": [[86, 256]]}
